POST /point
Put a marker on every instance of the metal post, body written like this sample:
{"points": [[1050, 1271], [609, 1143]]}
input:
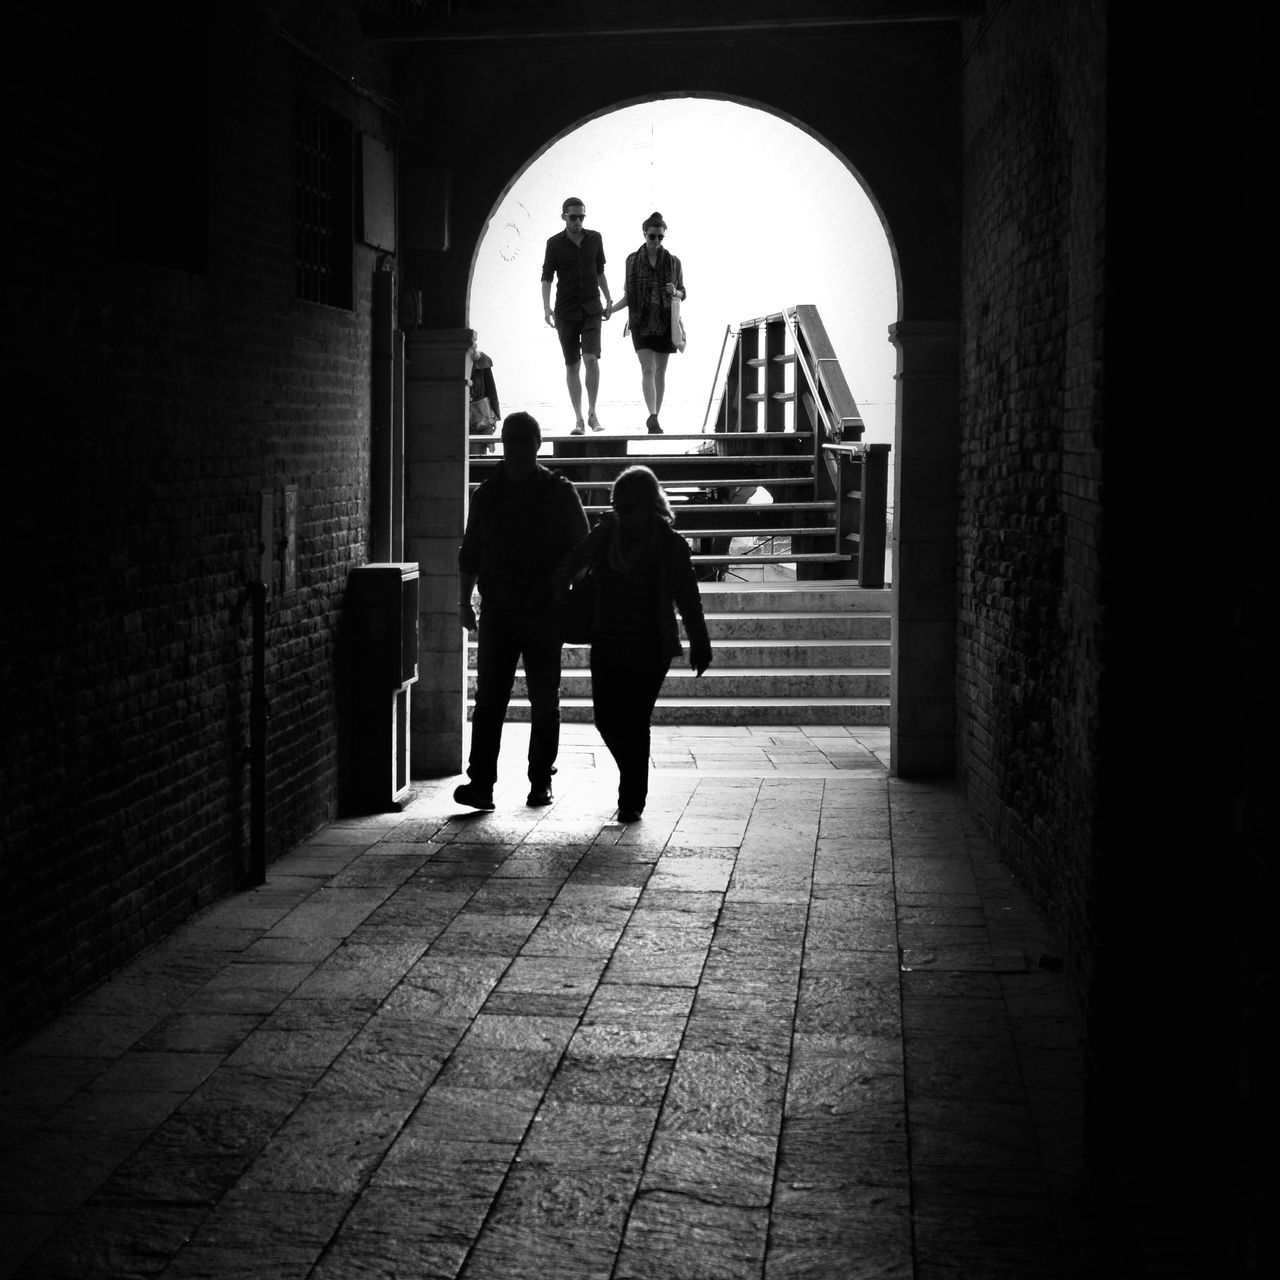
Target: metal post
{"points": [[258, 739], [382, 433], [873, 517]]}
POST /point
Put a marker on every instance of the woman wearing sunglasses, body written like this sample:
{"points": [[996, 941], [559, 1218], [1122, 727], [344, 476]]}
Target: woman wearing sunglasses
{"points": [[654, 279]]}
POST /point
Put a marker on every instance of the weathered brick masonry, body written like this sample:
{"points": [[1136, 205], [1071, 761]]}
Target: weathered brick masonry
{"points": [[1030, 624], [148, 405]]}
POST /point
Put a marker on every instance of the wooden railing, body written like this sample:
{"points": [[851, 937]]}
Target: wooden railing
{"points": [[849, 474]]}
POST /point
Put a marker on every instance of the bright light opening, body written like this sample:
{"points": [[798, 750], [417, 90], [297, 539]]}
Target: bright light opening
{"points": [[762, 217]]}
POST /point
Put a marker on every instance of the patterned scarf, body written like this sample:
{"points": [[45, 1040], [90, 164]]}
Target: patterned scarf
{"points": [[647, 292]]}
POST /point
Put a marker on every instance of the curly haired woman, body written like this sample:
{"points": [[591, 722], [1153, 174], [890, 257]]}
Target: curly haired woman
{"points": [[643, 573]]}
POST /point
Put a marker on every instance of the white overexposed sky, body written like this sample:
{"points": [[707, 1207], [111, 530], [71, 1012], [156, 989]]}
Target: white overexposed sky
{"points": [[762, 217]]}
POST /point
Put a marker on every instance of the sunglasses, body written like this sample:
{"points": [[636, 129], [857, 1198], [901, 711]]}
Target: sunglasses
{"points": [[656, 235]]}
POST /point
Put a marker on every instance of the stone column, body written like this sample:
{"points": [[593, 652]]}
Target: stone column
{"points": [[435, 448], [922, 716]]}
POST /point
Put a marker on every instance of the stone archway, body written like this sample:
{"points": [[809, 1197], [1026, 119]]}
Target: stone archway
{"points": [[899, 127], [814, 236]]}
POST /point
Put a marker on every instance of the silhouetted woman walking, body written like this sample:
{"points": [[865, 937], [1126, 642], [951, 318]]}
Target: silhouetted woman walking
{"points": [[642, 568]]}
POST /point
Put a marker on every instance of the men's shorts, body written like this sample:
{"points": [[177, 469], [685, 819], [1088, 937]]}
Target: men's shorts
{"points": [[579, 337]]}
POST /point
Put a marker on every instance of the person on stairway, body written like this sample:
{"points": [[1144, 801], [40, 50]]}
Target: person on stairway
{"points": [[574, 258], [522, 522], [655, 280], [484, 413], [642, 568]]}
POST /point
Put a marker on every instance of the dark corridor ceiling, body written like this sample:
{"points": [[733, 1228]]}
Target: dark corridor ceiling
{"points": [[467, 21]]}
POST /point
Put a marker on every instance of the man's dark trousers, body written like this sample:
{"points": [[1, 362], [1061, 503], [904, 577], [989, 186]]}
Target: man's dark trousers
{"points": [[506, 636]]}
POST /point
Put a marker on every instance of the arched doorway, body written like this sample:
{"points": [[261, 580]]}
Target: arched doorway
{"points": [[809, 234]]}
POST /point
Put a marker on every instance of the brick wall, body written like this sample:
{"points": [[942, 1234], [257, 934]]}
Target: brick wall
{"points": [[1030, 624], [161, 374]]}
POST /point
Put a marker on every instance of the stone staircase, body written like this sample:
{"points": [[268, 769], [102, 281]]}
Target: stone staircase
{"points": [[784, 652]]}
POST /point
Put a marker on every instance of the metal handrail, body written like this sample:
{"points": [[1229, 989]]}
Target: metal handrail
{"points": [[715, 378], [802, 363]]}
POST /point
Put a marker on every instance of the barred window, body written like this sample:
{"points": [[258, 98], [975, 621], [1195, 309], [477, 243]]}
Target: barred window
{"points": [[323, 193]]}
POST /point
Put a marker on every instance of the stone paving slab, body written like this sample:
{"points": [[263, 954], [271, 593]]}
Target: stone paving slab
{"points": [[796, 1023]]}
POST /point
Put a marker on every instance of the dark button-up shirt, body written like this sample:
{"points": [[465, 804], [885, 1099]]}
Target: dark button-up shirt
{"points": [[577, 268], [517, 534]]}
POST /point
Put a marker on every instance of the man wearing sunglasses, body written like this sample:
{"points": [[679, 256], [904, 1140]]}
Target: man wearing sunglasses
{"points": [[575, 260]]}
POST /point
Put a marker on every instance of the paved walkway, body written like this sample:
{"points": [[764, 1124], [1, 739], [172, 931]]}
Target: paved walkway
{"points": [[796, 1023]]}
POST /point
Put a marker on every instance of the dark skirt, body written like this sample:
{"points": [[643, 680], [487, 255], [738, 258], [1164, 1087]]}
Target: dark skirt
{"points": [[653, 342]]}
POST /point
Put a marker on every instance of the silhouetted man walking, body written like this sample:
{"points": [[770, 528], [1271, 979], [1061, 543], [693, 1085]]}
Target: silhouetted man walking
{"points": [[521, 522]]}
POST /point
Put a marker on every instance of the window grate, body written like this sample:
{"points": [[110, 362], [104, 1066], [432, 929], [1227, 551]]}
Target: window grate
{"points": [[322, 206]]}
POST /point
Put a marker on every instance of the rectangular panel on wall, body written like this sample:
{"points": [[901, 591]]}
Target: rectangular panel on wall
{"points": [[409, 607], [377, 209]]}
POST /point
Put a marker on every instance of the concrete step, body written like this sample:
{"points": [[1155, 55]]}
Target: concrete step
{"points": [[732, 481], [734, 439], [837, 597], [656, 461], [735, 711], [743, 682], [783, 653], [753, 652], [730, 655], [798, 628]]}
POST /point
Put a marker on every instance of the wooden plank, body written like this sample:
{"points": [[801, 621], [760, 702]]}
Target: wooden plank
{"points": [[830, 377]]}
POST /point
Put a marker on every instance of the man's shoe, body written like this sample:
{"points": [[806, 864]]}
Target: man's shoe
{"points": [[629, 815], [593, 422], [651, 423], [579, 428], [474, 795], [539, 796]]}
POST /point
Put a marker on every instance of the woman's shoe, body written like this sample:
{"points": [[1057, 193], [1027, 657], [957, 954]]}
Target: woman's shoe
{"points": [[651, 423]]}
